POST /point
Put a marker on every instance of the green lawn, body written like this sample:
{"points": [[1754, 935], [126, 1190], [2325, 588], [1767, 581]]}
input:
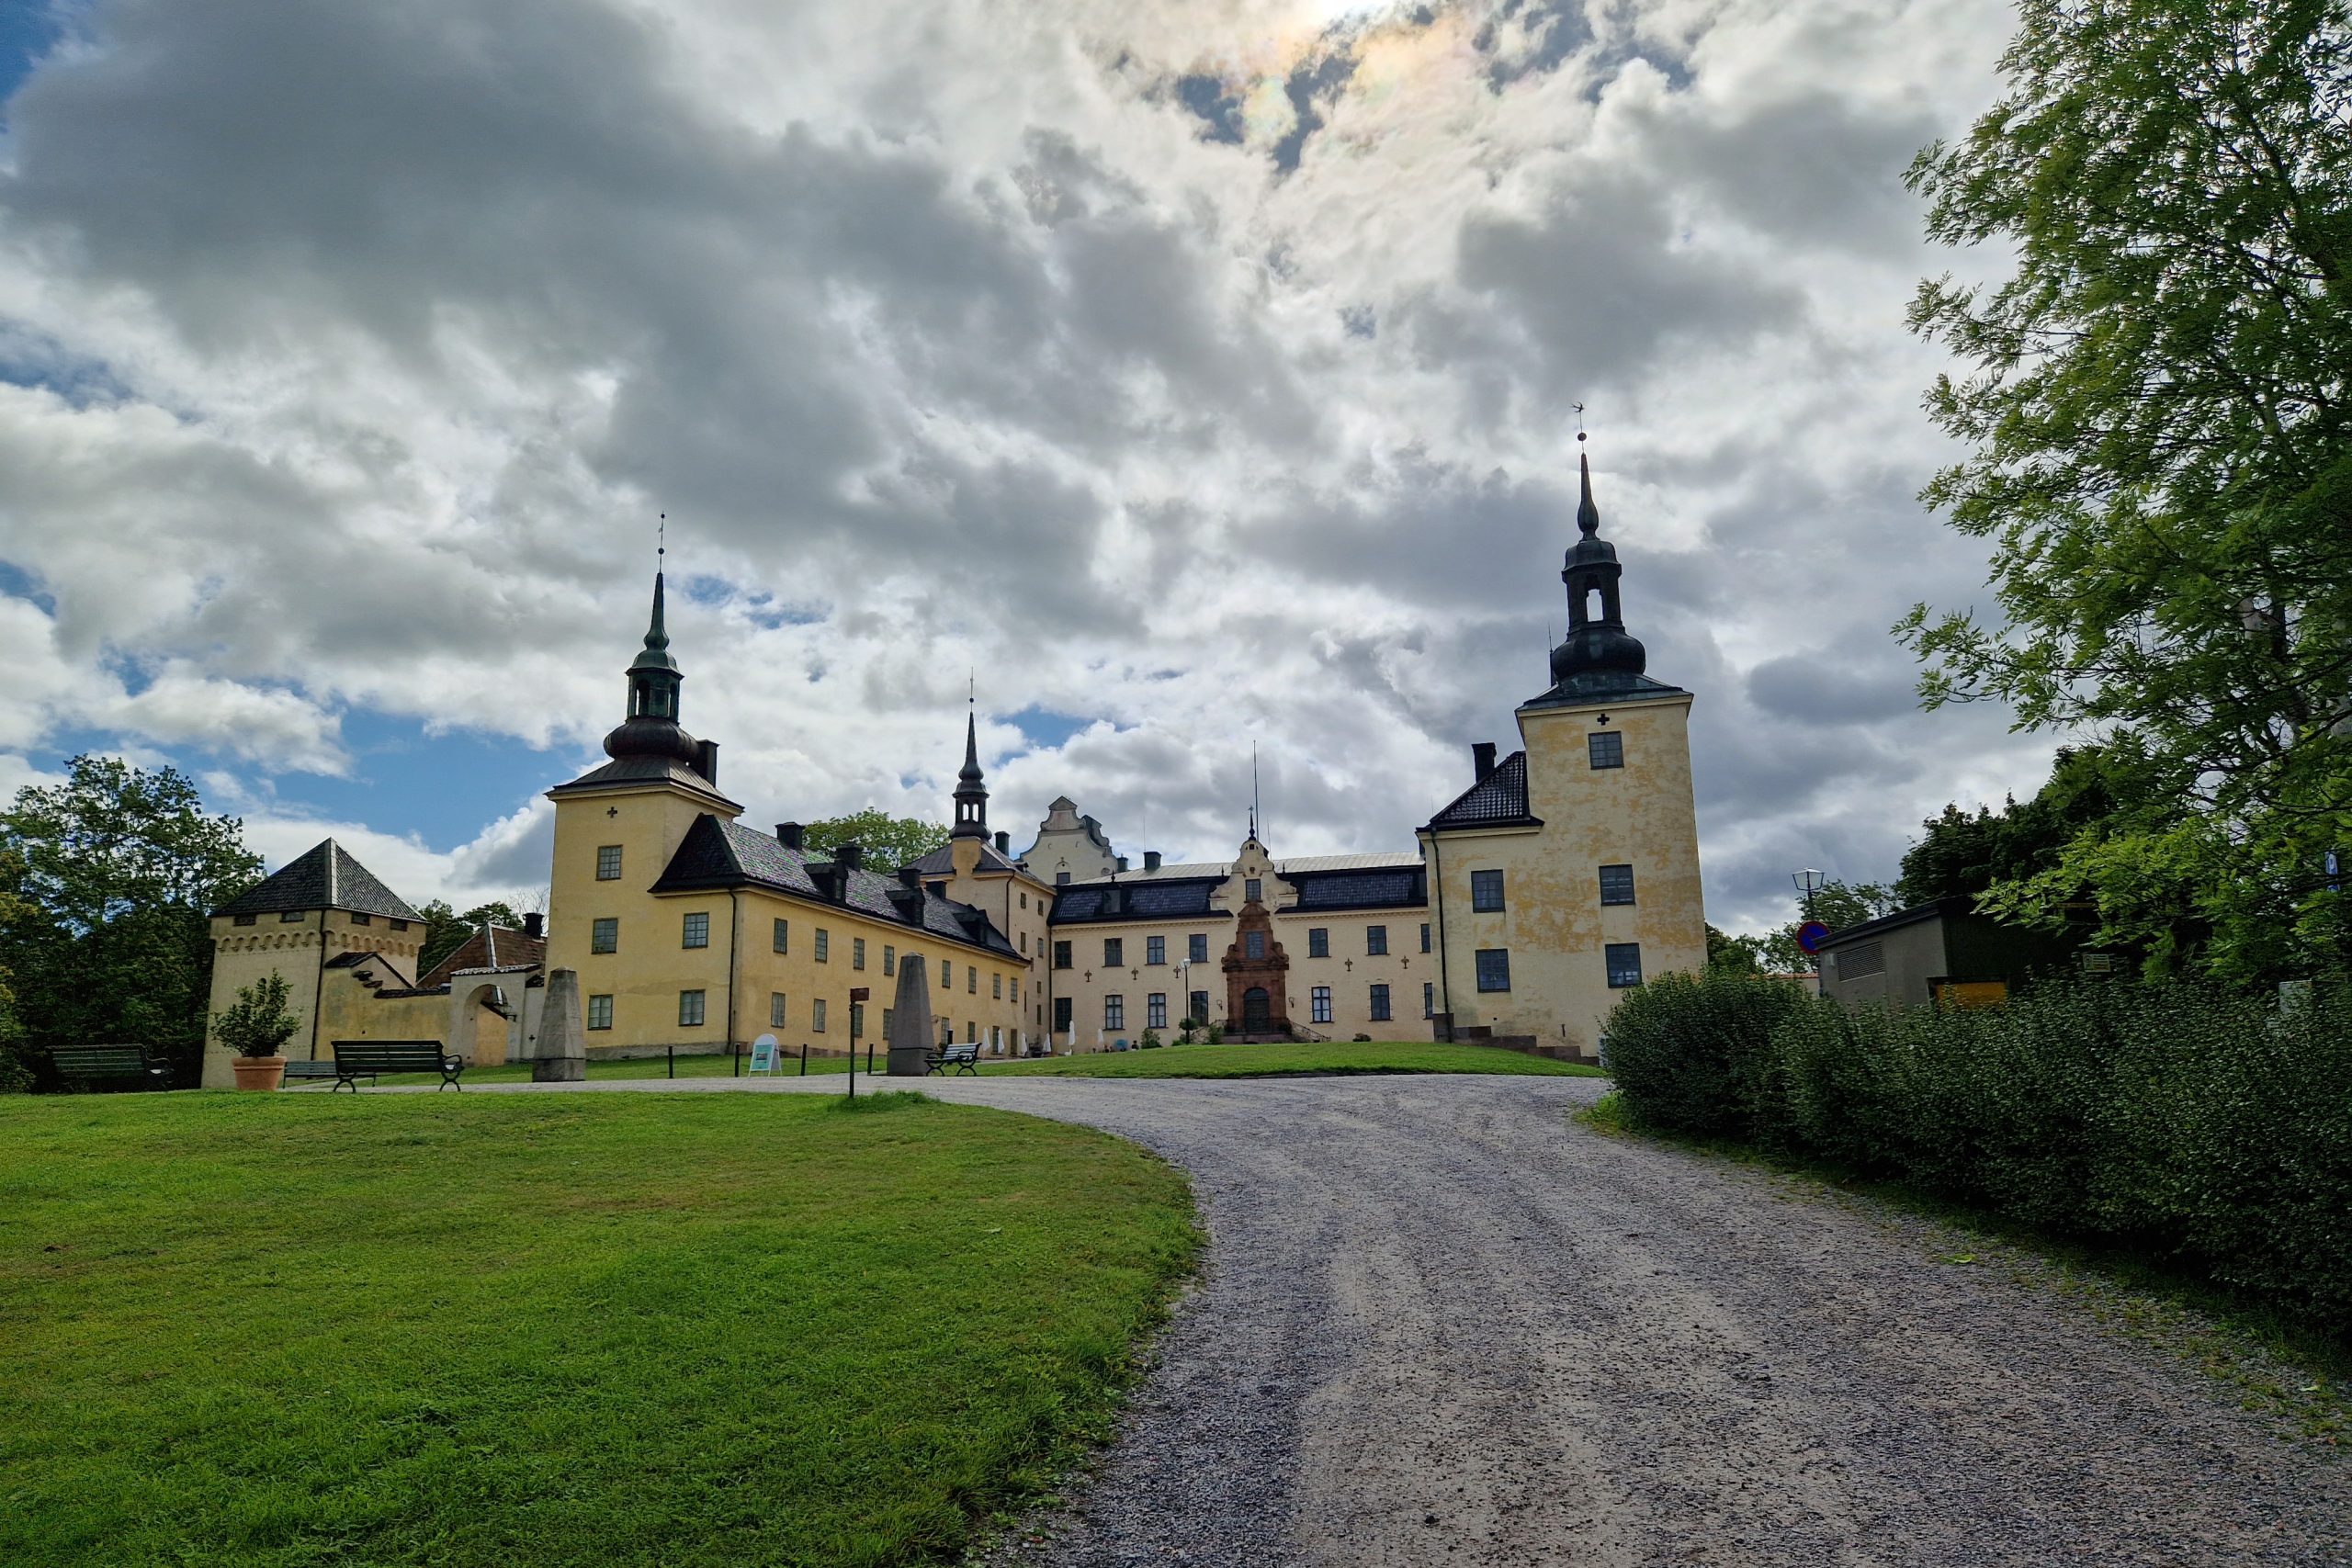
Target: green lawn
{"points": [[1274, 1061], [644, 1067], [499, 1329]]}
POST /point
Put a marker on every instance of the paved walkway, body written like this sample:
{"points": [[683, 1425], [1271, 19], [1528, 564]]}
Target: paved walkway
{"points": [[1442, 1323]]}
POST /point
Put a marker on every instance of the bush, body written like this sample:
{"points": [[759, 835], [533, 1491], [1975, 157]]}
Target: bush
{"points": [[1216, 1034], [1691, 1050], [2209, 1128], [257, 1023], [1150, 1041]]}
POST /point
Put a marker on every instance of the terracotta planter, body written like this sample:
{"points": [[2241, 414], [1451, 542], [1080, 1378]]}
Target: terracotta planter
{"points": [[259, 1072]]}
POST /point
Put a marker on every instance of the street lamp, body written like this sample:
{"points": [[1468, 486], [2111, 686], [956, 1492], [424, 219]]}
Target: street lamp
{"points": [[1809, 883]]}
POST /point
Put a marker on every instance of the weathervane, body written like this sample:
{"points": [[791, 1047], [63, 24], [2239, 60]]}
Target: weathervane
{"points": [[662, 537], [1579, 408]]}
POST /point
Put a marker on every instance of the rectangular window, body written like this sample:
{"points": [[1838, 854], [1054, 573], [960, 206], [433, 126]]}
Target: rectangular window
{"points": [[856, 1021], [857, 953], [1249, 888], [399, 925], [824, 945], [1616, 884], [817, 1016], [1062, 955], [889, 959], [1155, 949], [1155, 1010], [1425, 936], [697, 930], [946, 975], [1486, 891], [363, 920], [600, 1012], [1428, 998], [1607, 748], [1196, 948], [608, 863], [783, 936], [1061, 879], [1375, 942], [1115, 1011], [1016, 989], [972, 979], [690, 1009], [885, 1022], [285, 916], [1320, 1005], [246, 919], [996, 987], [1061, 1015], [1624, 959], [776, 1010], [604, 935], [1380, 1004], [1114, 951], [1253, 945], [1493, 968], [1200, 1013], [1318, 941]]}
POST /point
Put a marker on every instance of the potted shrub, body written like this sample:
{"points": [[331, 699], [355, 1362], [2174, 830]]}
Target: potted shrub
{"points": [[255, 1027]]}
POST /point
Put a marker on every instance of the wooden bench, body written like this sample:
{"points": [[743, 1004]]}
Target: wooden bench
{"points": [[356, 1059], [964, 1058], [116, 1064]]}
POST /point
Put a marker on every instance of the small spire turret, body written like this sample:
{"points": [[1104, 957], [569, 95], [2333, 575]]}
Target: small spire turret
{"points": [[1597, 642], [971, 792]]}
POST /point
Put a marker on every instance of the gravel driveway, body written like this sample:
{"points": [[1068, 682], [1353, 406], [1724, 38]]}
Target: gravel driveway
{"points": [[1440, 1322]]}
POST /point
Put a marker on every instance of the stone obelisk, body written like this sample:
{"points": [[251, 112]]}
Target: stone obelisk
{"points": [[562, 1053], [910, 1021]]}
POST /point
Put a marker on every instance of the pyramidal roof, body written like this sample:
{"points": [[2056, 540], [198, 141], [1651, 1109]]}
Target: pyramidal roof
{"points": [[326, 877]]}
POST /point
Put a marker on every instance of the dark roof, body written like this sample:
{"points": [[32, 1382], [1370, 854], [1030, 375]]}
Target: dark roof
{"points": [[1939, 908], [941, 861], [1498, 800], [325, 878], [717, 853], [1402, 888], [1602, 686], [491, 947], [1162, 900], [623, 772]]}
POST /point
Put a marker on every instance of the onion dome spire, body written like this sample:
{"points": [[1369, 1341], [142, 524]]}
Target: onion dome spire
{"points": [[1597, 642], [651, 728]]}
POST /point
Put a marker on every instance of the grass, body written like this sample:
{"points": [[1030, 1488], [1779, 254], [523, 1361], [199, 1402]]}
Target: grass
{"points": [[703, 1066], [1296, 1058], [285, 1330], [2280, 1365]]}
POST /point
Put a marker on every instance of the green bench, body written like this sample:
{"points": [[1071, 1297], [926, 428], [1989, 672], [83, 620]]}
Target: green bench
{"points": [[110, 1064], [317, 1072], [356, 1059]]}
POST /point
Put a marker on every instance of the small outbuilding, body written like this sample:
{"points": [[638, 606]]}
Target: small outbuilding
{"points": [[1940, 953]]}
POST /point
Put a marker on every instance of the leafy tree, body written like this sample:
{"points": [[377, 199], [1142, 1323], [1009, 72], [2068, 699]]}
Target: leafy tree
{"points": [[1962, 856], [257, 1023], [112, 874], [445, 930], [1734, 954], [2158, 421], [889, 841]]}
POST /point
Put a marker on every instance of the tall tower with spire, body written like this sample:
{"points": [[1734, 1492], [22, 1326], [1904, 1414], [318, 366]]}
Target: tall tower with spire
{"points": [[971, 792], [1568, 871]]}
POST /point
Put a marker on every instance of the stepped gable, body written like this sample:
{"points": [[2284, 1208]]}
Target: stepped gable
{"points": [[326, 877]]}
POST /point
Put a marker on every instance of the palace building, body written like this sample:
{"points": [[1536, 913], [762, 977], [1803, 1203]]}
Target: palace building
{"points": [[1564, 873]]}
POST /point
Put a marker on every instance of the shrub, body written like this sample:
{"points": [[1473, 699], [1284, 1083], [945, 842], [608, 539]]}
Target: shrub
{"points": [[1691, 1050], [1216, 1034], [257, 1023], [1150, 1041], [2207, 1127]]}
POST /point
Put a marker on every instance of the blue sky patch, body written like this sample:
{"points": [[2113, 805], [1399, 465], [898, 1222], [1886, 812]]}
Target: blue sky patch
{"points": [[1045, 729]]}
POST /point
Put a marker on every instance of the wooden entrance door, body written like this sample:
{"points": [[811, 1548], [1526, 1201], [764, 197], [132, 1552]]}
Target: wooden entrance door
{"points": [[1257, 1012]]}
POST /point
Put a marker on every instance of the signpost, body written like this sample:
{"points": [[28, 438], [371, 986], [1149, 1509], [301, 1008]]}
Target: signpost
{"points": [[858, 996], [1811, 935]]}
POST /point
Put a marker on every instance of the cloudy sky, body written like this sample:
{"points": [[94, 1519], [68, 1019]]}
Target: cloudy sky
{"points": [[1197, 375]]}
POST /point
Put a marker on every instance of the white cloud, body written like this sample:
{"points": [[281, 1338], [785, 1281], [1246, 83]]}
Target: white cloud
{"points": [[357, 348]]}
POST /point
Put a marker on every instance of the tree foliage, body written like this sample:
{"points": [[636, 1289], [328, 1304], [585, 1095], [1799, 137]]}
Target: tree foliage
{"points": [[2158, 423], [1962, 854], [1836, 905], [112, 875], [257, 1023], [889, 841]]}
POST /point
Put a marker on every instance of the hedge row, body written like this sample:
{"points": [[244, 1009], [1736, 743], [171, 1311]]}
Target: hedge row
{"points": [[2209, 1128]]}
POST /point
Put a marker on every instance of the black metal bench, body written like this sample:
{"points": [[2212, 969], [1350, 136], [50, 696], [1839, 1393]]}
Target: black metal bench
{"points": [[319, 1072], [356, 1059], [964, 1058], [110, 1064]]}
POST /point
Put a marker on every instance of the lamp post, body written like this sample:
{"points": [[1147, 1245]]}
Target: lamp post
{"points": [[1809, 884]]}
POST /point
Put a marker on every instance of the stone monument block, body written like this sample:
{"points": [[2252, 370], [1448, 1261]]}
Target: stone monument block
{"points": [[910, 1021], [562, 1051]]}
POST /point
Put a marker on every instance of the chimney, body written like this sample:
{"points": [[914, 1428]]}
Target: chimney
{"points": [[1151, 859], [851, 855], [1122, 863], [909, 877], [535, 925], [1482, 758], [708, 763], [788, 835], [1003, 843]]}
